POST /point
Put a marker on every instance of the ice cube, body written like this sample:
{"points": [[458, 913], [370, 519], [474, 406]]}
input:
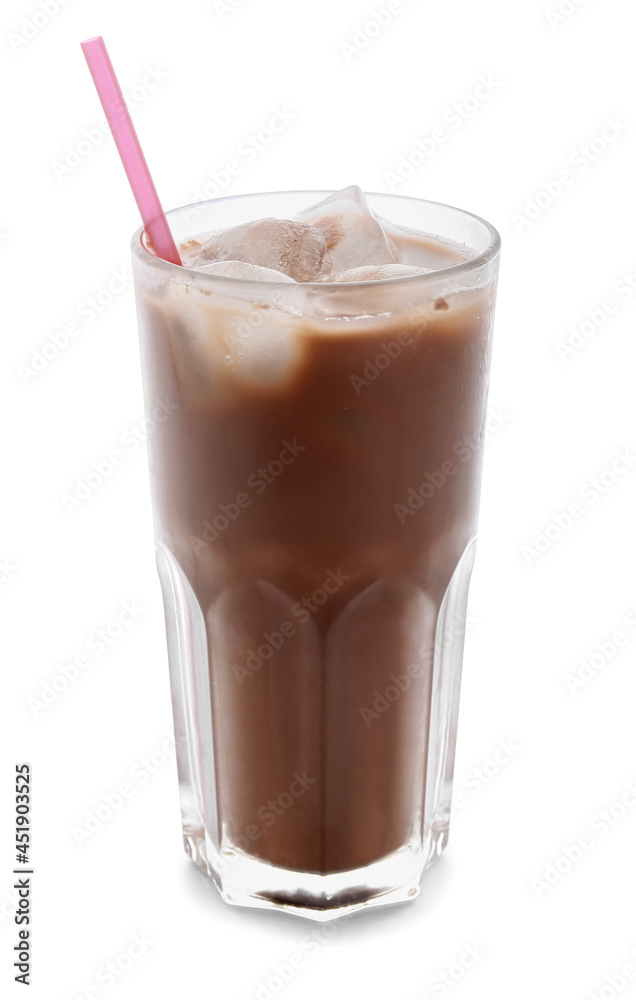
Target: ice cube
{"points": [[196, 347], [378, 272], [260, 336], [217, 340], [240, 269], [352, 233], [296, 249], [264, 346]]}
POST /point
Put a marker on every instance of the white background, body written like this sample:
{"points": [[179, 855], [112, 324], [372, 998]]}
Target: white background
{"points": [[535, 618]]}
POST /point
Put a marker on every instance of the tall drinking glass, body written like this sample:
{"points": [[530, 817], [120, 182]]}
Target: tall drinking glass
{"points": [[315, 480]]}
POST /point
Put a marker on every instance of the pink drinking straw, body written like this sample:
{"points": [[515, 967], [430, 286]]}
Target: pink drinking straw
{"points": [[132, 157]]}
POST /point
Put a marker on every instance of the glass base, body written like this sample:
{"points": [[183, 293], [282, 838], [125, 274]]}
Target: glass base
{"points": [[243, 880], [246, 880]]}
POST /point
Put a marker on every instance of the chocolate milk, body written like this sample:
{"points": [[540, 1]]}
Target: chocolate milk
{"points": [[313, 501]]}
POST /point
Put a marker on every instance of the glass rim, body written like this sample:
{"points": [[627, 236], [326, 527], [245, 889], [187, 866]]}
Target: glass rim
{"points": [[485, 256]]}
